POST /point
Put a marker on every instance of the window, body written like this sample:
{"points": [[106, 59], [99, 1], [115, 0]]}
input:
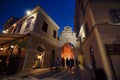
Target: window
{"points": [[54, 33], [19, 27], [29, 22], [14, 30], [115, 13], [44, 26]]}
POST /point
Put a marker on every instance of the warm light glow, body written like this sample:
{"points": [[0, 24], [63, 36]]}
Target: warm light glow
{"points": [[67, 51], [12, 46], [39, 57], [14, 25], [1, 49], [5, 31], [28, 12], [81, 30], [83, 35]]}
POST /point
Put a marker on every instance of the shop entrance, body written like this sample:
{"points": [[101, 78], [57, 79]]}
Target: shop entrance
{"points": [[39, 55]]}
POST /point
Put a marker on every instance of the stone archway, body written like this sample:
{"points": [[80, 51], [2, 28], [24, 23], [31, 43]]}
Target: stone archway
{"points": [[68, 51], [39, 56]]}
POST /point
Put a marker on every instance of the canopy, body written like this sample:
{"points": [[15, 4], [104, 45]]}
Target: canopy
{"points": [[6, 38]]}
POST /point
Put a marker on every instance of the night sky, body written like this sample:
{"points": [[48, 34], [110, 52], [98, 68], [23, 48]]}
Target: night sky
{"points": [[61, 11]]}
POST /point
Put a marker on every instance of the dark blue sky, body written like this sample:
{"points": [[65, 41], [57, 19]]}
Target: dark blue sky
{"points": [[61, 11]]}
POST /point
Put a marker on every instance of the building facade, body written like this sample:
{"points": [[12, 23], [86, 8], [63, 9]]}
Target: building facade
{"points": [[32, 38], [33, 42], [97, 24]]}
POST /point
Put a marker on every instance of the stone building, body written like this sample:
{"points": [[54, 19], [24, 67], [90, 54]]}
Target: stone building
{"points": [[33, 38], [68, 43], [32, 42], [97, 24]]}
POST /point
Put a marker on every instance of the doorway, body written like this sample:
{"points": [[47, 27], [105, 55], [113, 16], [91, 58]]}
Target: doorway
{"points": [[39, 57]]}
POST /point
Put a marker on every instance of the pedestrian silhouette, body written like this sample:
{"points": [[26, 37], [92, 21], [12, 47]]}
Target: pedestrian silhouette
{"points": [[57, 64]]}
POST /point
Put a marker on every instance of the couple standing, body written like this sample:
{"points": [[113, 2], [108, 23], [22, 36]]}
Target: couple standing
{"points": [[70, 64]]}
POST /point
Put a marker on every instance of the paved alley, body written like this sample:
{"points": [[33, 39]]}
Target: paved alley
{"points": [[47, 75]]}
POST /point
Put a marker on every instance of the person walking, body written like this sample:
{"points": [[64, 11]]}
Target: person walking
{"points": [[51, 64], [67, 64], [57, 64], [63, 63], [72, 66]]}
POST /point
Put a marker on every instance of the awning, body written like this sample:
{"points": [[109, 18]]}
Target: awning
{"points": [[6, 38]]}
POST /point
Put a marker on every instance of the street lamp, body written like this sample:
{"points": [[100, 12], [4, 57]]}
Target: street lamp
{"points": [[11, 49], [5, 31], [12, 46], [1, 49]]}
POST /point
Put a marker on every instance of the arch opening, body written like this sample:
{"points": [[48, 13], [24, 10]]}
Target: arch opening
{"points": [[39, 57], [68, 51]]}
